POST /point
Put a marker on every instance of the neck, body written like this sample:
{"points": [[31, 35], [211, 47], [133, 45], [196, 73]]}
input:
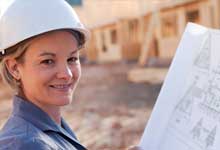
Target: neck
{"points": [[53, 111]]}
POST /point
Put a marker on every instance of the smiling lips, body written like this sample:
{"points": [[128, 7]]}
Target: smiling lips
{"points": [[62, 87]]}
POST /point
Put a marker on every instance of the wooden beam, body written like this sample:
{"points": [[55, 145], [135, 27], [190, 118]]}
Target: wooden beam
{"points": [[148, 38]]}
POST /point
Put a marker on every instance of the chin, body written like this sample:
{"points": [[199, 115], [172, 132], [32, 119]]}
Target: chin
{"points": [[62, 101]]}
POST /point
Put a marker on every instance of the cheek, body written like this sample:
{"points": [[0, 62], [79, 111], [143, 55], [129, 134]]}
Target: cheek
{"points": [[39, 74], [76, 71], [38, 77]]}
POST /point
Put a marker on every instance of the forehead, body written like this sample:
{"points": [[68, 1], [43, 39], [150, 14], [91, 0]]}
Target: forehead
{"points": [[56, 41]]}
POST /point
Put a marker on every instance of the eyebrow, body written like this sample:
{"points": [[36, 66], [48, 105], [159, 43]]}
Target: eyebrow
{"points": [[47, 53], [73, 52], [53, 54]]}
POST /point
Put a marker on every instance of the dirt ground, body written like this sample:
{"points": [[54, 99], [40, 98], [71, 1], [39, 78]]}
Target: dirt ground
{"points": [[108, 112]]}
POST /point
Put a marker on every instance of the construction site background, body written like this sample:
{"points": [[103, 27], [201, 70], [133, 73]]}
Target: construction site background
{"points": [[124, 65]]}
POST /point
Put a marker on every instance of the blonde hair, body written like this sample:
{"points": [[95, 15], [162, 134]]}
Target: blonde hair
{"points": [[17, 52]]}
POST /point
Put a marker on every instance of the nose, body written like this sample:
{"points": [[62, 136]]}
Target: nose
{"points": [[64, 72]]}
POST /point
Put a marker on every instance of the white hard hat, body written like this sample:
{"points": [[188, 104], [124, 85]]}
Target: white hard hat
{"points": [[22, 19]]}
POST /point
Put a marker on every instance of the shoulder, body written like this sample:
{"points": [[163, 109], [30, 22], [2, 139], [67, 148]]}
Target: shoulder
{"points": [[21, 143], [18, 134], [33, 143], [16, 126]]}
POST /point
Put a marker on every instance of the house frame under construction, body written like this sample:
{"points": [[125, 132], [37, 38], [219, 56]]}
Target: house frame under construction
{"points": [[155, 33]]}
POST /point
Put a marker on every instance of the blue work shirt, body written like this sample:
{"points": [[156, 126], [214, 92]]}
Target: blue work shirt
{"points": [[30, 128]]}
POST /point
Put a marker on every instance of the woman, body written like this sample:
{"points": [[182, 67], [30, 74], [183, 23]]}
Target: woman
{"points": [[39, 43]]}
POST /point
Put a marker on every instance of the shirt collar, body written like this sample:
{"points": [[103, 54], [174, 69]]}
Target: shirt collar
{"points": [[67, 128], [33, 114]]}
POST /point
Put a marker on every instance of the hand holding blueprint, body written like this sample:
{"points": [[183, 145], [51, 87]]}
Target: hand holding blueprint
{"points": [[186, 115]]}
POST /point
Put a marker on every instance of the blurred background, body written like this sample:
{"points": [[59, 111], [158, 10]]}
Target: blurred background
{"points": [[124, 65]]}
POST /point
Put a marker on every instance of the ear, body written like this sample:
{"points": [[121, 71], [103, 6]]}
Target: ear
{"points": [[12, 66]]}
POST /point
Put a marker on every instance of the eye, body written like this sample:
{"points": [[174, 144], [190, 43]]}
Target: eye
{"points": [[73, 60], [47, 62]]}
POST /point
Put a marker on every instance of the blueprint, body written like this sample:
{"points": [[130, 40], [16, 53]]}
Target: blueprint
{"points": [[186, 115]]}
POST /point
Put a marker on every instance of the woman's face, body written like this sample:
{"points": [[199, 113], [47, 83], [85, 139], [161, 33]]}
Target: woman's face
{"points": [[51, 69]]}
